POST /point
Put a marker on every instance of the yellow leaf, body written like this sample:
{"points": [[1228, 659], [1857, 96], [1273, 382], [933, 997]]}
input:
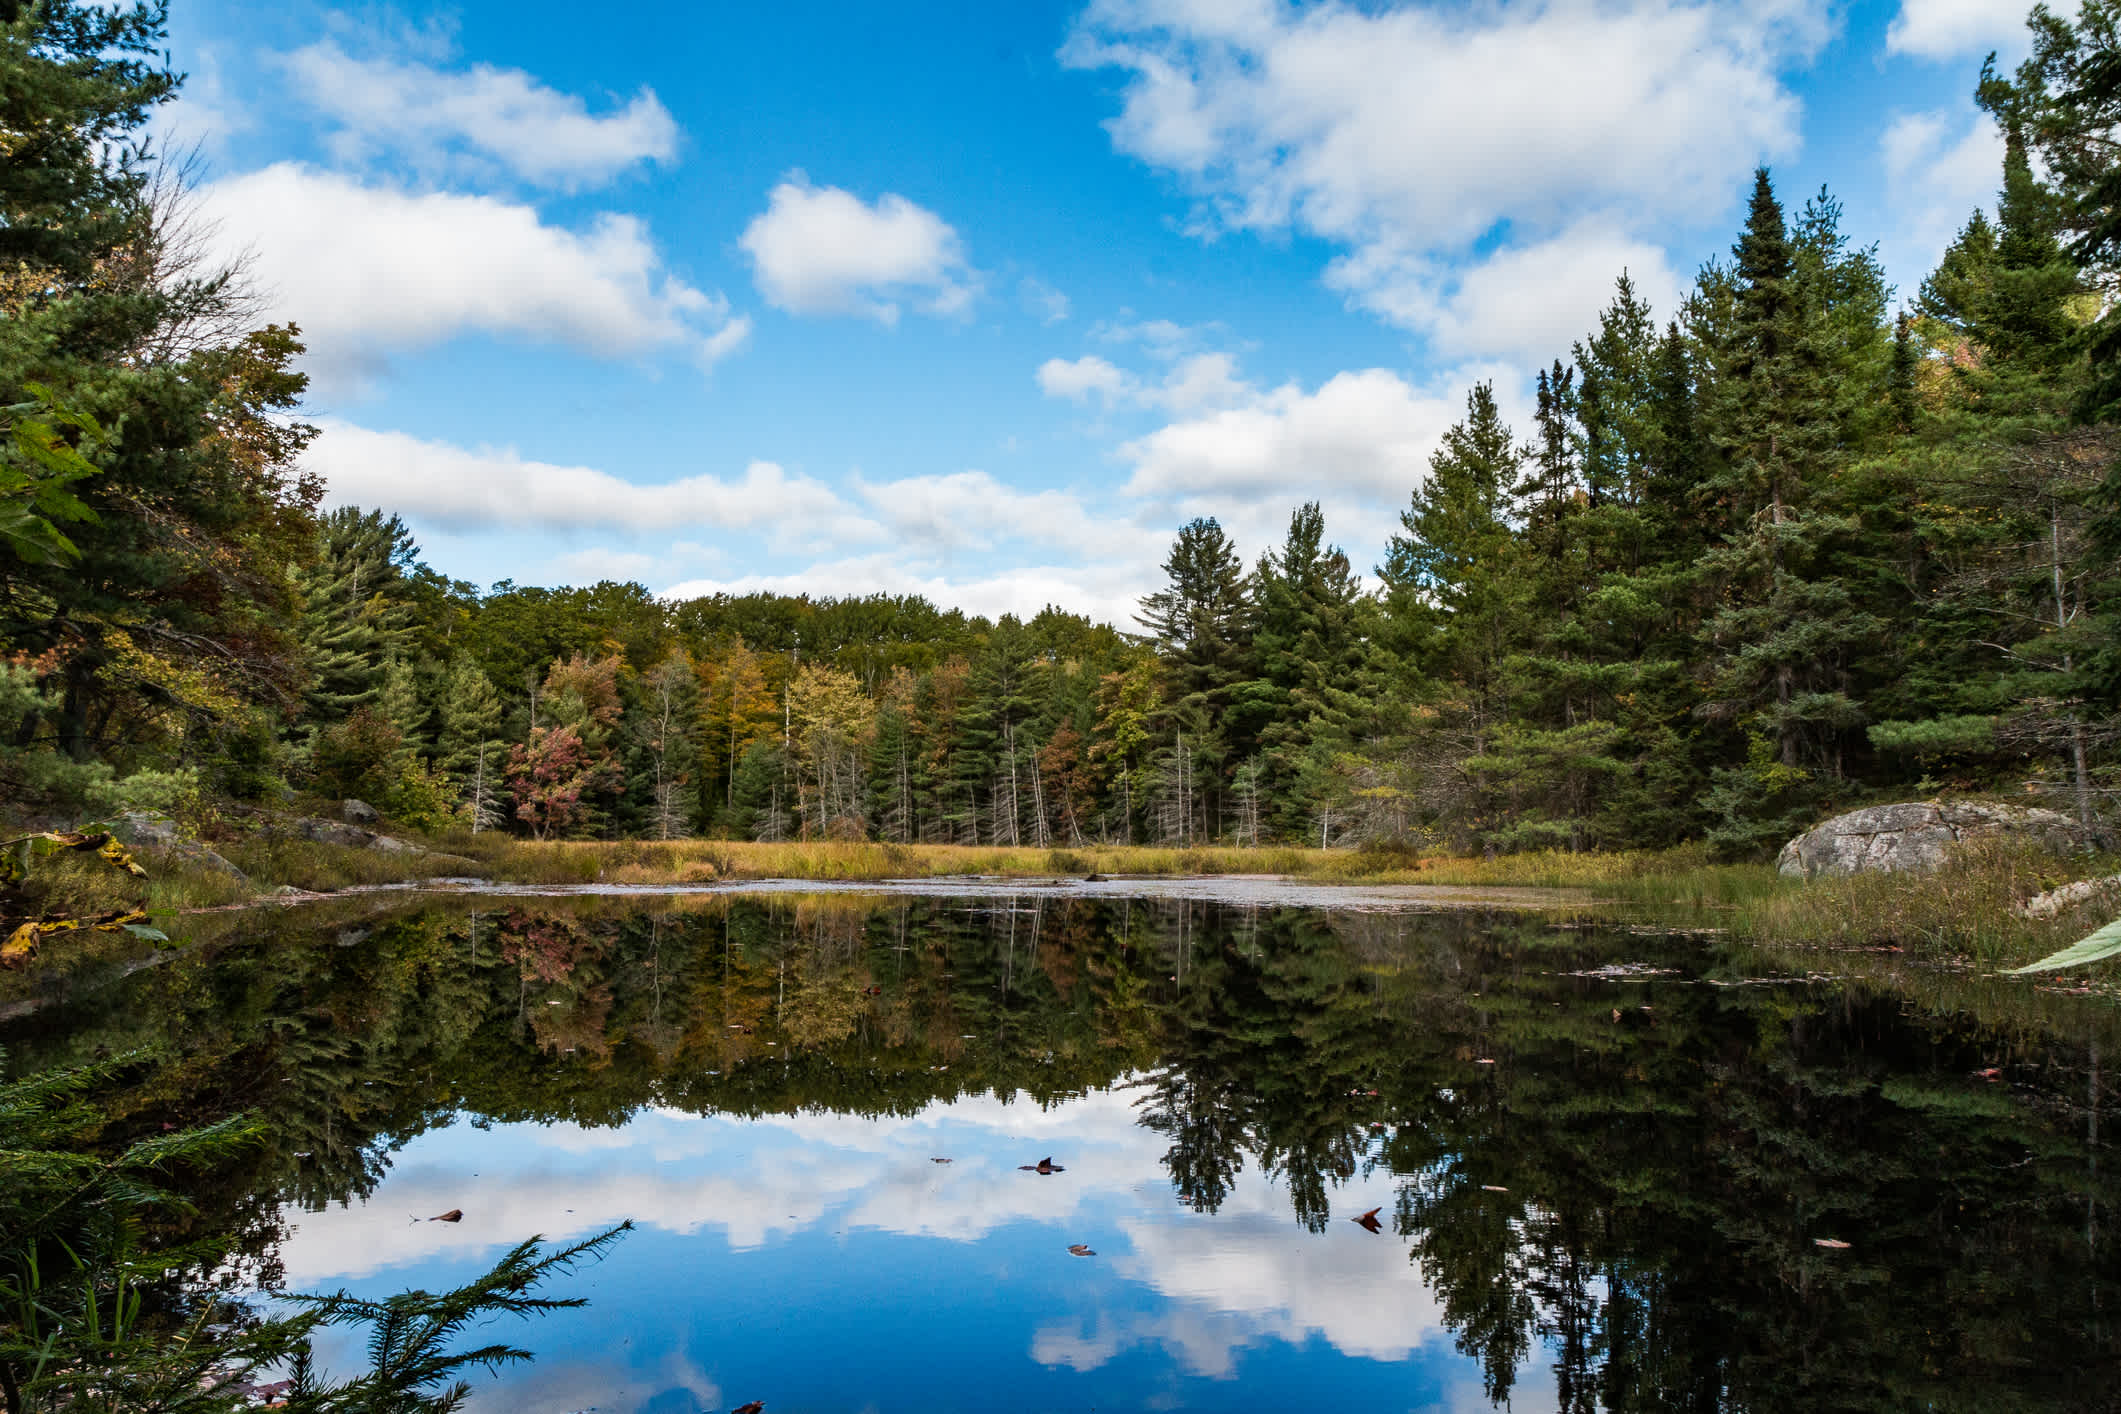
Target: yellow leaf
{"points": [[20, 947]]}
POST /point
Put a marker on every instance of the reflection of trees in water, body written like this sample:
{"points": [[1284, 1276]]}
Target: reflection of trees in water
{"points": [[1632, 1191]]}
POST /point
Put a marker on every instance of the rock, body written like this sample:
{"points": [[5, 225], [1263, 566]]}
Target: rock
{"points": [[204, 858], [320, 831], [1913, 837], [358, 812], [385, 844], [141, 830], [2056, 902]]}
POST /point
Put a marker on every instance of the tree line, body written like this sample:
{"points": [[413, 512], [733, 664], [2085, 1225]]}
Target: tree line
{"points": [[1791, 546]]}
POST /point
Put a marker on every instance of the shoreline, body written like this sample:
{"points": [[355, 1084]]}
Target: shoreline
{"points": [[1968, 915]]}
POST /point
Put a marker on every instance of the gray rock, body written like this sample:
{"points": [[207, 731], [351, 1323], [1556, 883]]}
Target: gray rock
{"points": [[1915, 836], [358, 812], [158, 834], [141, 830], [321, 831], [385, 844]]}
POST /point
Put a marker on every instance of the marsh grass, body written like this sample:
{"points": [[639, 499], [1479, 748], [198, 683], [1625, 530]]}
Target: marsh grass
{"points": [[1967, 912], [69, 884]]}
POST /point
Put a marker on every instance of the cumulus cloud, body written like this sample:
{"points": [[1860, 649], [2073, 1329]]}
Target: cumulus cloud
{"points": [[1939, 166], [970, 509], [461, 489], [823, 250], [1367, 431], [1200, 381], [1409, 134], [1951, 29], [504, 118], [371, 271], [1108, 591], [1078, 379], [1528, 303]]}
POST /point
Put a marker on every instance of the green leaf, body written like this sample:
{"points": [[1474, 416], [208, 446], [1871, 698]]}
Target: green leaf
{"points": [[2098, 947], [142, 930]]}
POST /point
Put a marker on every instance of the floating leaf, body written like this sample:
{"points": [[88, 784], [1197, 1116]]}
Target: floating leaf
{"points": [[1368, 1221], [2097, 948], [1080, 1249], [1834, 1242], [754, 1407], [454, 1215], [1045, 1165]]}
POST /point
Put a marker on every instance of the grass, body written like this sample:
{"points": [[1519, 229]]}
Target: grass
{"points": [[1965, 913]]}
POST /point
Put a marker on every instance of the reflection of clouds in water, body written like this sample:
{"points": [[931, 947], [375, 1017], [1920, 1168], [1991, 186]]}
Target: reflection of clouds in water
{"points": [[1229, 1281], [1249, 1275], [755, 1180], [675, 1384]]}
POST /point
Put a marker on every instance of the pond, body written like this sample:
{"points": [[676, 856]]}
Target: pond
{"points": [[1606, 1167]]}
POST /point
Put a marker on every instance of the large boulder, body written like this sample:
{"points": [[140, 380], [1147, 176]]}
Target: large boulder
{"points": [[358, 812], [142, 830], [1914, 837], [322, 831]]}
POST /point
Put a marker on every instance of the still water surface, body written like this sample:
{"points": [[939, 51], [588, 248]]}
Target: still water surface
{"points": [[1603, 1159]]}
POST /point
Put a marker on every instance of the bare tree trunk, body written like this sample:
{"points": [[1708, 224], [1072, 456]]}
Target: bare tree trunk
{"points": [[2076, 727]]}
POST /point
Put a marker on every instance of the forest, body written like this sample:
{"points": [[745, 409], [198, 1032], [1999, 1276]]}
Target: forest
{"points": [[1803, 542]]}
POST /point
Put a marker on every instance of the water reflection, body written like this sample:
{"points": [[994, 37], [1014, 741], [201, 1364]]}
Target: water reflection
{"points": [[1598, 1191]]}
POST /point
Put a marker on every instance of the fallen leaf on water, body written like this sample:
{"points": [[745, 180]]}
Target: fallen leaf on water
{"points": [[1368, 1221], [1483, 1061], [1616, 1014], [1493, 1188], [454, 1215], [1045, 1165], [1834, 1242], [1080, 1249], [752, 1408], [1992, 1073], [938, 1161]]}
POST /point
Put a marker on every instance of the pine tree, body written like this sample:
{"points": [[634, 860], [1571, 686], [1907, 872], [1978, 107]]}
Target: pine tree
{"points": [[1446, 610], [1805, 339], [1313, 646], [469, 745], [354, 616]]}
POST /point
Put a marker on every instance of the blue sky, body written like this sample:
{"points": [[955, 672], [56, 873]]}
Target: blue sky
{"points": [[983, 301]]}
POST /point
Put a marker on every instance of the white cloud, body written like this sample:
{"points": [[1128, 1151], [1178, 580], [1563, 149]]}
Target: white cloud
{"points": [[1080, 378], [372, 271], [1951, 29], [1529, 303], [1110, 592], [457, 488], [823, 250], [503, 117], [1939, 166], [1369, 432], [1196, 382], [970, 509], [1409, 134], [1049, 304]]}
